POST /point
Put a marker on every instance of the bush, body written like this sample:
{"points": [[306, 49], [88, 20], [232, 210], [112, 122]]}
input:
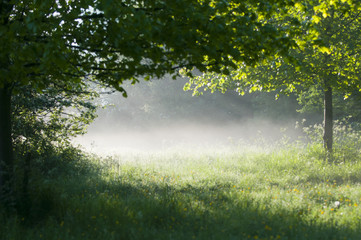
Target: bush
{"points": [[346, 144]]}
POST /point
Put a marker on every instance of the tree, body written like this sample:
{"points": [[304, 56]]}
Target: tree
{"points": [[68, 43], [42, 124], [52, 116], [334, 65]]}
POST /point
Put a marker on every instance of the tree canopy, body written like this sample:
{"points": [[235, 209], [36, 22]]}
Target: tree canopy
{"points": [[44, 42], [333, 64]]}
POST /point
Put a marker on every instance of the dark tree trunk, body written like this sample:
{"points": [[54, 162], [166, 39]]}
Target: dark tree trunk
{"points": [[328, 119], [6, 146]]}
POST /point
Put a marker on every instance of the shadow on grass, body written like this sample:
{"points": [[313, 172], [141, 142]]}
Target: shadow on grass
{"points": [[86, 206], [214, 214]]}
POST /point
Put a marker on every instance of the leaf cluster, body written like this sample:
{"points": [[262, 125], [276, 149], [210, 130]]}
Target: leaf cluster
{"points": [[112, 41], [327, 53], [51, 118]]}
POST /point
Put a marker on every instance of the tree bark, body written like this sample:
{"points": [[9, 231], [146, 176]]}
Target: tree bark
{"points": [[328, 120], [6, 146]]}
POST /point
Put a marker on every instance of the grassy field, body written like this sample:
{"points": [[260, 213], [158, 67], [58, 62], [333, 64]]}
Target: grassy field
{"points": [[233, 193]]}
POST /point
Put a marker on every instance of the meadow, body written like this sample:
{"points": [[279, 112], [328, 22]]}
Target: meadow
{"points": [[284, 191]]}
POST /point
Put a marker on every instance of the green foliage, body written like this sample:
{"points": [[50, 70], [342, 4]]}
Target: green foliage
{"points": [[311, 102], [37, 198], [327, 55], [116, 41], [51, 117], [43, 124], [347, 143]]}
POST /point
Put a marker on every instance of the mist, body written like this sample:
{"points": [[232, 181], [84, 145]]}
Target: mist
{"points": [[158, 116]]}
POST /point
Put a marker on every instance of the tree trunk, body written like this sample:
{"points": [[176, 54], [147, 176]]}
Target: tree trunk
{"points": [[328, 119], [6, 147]]}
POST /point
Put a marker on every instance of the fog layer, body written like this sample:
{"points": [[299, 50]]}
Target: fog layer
{"points": [[158, 115]]}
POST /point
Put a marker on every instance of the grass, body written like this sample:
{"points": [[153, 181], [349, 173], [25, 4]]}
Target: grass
{"points": [[283, 193]]}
